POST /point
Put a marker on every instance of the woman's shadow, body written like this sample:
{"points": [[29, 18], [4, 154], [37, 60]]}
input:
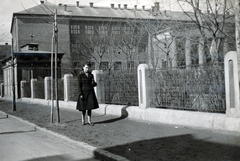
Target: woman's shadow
{"points": [[124, 114]]}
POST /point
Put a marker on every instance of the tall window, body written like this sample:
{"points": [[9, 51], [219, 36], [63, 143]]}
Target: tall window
{"points": [[102, 30], [89, 30], [103, 66], [117, 65], [130, 65], [116, 30], [128, 29], [75, 29]]}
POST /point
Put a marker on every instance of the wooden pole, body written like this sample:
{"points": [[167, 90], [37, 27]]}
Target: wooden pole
{"points": [[13, 81], [52, 103], [56, 66]]}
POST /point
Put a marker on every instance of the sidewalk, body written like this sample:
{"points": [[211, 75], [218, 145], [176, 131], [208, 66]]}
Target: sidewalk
{"points": [[20, 141], [131, 139]]}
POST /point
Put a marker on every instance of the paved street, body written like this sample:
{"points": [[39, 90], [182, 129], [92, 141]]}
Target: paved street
{"points": [[22, 142], [135, 140]]}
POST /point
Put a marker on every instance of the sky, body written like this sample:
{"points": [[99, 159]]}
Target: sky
{"points": [[8, 7]]}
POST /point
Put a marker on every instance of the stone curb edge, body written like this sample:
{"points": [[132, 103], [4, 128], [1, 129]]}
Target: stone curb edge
{"points": [[88, 149]]}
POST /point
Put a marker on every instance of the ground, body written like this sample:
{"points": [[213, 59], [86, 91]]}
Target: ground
{"points": [[134, 139]]}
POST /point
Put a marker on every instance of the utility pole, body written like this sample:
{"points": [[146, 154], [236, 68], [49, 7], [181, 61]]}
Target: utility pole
{"points": [[13, 81], [52, 102], [56, 64]]}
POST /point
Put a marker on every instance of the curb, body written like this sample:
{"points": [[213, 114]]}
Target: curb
{"points": [[100, 154]]}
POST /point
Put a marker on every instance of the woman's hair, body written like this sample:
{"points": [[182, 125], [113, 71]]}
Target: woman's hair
{"points": [[87, 63]]}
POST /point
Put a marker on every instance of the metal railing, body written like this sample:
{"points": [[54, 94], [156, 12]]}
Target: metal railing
{"points": [[195, 88]]}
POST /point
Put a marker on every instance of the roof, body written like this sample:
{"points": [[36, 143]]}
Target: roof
{"points": [[48, 8]]}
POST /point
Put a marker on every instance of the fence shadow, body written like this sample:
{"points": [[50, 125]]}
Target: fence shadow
{"points": [[181, 147], [124, 114]]}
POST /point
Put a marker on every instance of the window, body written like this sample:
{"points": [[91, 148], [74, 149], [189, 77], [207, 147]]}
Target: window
{"points": [[130, 65], [117, 65], [89, 30], [75, 29], [142, 48], [116, 30], [128, 29], [103, 66], [92, 65], [102, 30]]}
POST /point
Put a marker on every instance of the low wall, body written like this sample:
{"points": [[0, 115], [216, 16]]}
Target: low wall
{"points": [[204, 120]]}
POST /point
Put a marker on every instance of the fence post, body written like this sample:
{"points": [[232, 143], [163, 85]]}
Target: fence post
{"points": [[2, 90], [33, 88], [67, 87], [231, 84], [144, 86], [99, 90], [47, 88]]}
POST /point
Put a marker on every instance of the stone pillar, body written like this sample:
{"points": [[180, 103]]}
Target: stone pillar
{"points": [[144, 86], [47, 88], [23, 89], [67, 87], [99, 90], [201, 51], [231, 84], [2, 90], [33, 88], [188, 52]]}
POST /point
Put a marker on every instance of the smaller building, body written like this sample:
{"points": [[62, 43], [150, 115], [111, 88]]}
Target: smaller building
{"points": [[5, 51], [29, 63]]}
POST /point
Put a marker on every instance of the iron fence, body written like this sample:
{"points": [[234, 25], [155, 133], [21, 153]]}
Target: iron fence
{"points": [[120, 88], [196, 88]]}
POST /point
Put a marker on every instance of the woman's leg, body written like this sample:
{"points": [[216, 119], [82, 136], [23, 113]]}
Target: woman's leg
{"points": [[83, 117], [89, 117]]}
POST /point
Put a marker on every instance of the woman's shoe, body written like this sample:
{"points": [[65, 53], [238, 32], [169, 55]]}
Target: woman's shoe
{"points": [[91, 124], [83, 123]]}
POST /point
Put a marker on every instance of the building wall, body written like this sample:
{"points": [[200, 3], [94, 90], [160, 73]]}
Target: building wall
{"points": [[42, 29]]}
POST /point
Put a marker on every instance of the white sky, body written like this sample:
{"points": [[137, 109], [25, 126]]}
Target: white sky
{"points": [[8, 7]]}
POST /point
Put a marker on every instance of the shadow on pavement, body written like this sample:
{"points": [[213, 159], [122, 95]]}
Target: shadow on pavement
{"points": [[182, 147], [124, 114], [16, 132], [60, 158]]}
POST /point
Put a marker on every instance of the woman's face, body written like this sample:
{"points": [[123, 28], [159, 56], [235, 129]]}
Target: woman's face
{"points": [[86, 68]]}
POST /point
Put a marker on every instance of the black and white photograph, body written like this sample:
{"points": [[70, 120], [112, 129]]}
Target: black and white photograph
{"points": [[119, 80]]}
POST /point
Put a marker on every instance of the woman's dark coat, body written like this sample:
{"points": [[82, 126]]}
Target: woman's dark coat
{"points": [[89, 100]]}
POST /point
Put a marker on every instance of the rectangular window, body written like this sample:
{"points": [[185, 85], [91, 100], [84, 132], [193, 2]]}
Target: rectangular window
{"points": [[116, 30], [89, 30], [130, 65], [103, 66], [75, 29], [102, 30], [128, 30], [117, 65]]}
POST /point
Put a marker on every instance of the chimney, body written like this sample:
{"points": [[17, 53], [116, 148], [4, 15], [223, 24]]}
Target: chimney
{"points": [[125, 6], [153, 10], [91, 4], [6, 43], [119, 6], [77, 3], [157, 6], [112, 6], [42, 1], [135, 7], [60, 4], [143, 8], [65, 7], [165, 13]]}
